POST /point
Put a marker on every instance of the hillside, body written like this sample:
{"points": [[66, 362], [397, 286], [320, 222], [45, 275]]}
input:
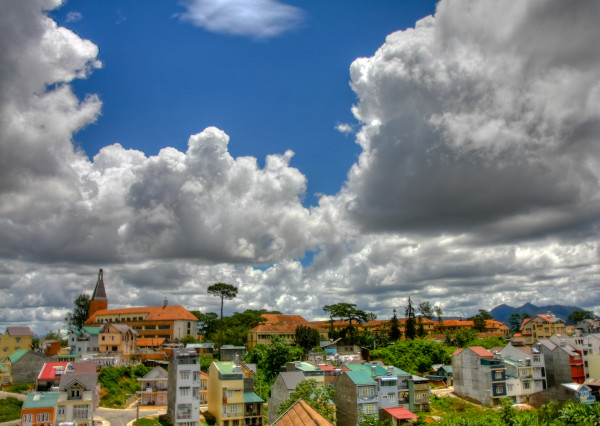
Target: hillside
{"points": [[502, 312]]}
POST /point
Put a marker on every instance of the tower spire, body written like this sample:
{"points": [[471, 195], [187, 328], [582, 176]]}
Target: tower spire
{"points": [[99, 301]]}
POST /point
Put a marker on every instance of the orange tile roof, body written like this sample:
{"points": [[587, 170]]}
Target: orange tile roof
{"points": [[280, 319], [301, 414], [481, 351], [458, 323], [154, 313], [274, 328]]}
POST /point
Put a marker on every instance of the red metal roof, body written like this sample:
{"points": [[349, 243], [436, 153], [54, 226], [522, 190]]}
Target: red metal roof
{"points": [[48, 371], [400, 413]]}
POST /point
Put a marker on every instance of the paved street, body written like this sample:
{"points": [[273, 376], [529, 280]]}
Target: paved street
{"points": [[117, 417]]}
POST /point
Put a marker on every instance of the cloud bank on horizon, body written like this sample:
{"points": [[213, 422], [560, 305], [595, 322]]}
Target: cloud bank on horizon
{"points": [[477, 184]]}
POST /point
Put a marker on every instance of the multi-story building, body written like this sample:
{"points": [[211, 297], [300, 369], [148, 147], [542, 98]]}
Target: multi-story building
{"points": [[168, 322], [51, 373], [519, 380], [541, 326], [530, 356], [153, 387], [84, 340], [39, 408], [564, 363], [24, 365], [279, 325], [355, 396], [15, 338], [117, 339], [231, 398], [479, 375], [78, 397], [203, 391], [183, 402]]}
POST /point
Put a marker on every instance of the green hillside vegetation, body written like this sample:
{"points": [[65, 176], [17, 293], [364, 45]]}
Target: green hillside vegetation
{"points": [[119, 383], [10, 409]]}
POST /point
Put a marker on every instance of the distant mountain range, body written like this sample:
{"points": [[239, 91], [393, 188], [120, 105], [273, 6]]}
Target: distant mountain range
{"points": [[502, 312]]}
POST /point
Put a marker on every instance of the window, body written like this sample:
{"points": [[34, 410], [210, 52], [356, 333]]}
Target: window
{"points": [[195, 393], [370, 408], [184, 374], [81, 412], [527, 385], [42, 417], [27, 418], [61, 410], [18, 340], [184, 391], [391, 397], [499, 390], [233, 409], [498, 375], [75, 393], [195, 376]]}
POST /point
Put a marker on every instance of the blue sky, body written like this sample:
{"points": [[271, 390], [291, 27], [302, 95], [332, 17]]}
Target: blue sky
{"points": [[163, 79], [308, 153]]}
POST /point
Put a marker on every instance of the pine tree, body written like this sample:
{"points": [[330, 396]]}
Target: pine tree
{"points": [[395, 333], [410, 328]]}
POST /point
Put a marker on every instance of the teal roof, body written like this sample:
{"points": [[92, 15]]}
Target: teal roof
{"points": [[305, 366], [41, 400], [250, 397], [17, 355], [226, 367], [360, 377], [379, 370], [94, 331]]}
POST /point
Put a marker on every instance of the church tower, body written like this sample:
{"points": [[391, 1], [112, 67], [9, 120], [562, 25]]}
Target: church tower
{"points": [[98, 301]]}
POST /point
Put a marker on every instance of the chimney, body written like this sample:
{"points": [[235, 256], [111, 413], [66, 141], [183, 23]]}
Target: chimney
{"points": [[166, 302]]}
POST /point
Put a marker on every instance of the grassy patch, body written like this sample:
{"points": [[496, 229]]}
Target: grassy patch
{"points": [[19, 388], [119, 383], [10, 409]]}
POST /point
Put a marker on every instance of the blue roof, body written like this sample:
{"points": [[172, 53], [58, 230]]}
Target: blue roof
{"points": [[360, 377], [250, 397], [41, 400]]}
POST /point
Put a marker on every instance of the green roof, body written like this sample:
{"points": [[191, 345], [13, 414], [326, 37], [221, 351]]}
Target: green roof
{"points": [[225, 367], [94, 331], [41, 400], [250, 397], [379, 370], [360, 377], [305, 366], [17, 355]]}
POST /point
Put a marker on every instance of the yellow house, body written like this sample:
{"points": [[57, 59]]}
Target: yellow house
{"points": [[14, 339], [117, 338], [227, 400], [279, 325], [541, 326], [5, 377]]}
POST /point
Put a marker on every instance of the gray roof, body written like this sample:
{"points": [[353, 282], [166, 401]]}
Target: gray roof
{"points": [[123, 328], [87, 380], [292, 378], [99, 291], [19, 331]]}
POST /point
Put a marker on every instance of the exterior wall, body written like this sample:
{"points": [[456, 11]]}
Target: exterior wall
{"points": [[79, 411], [9, 344], [168, 329], [113, 341], [38, 416], [183, 406], [279, 393], [479, 378], [5, 372], [83, 343], [594, 366], [421, 393], [183, 328], [153, 388], [351, 400], [27, 368], [226, 393]]}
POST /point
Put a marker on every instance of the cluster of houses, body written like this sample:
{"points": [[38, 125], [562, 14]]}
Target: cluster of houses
{"points": [[543, 363]]}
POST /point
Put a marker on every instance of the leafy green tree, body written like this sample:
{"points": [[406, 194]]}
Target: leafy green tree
{"points": [[410, 326], [395, 333], [463, 336], [188, 339], [426, 310], [277, 354], [224, 291], [480, 318], [347, 311], [514, 322], [317, 397], [307, 337], [437, 309], [208, 323], [414, 356], [508, 414], [577, 316], [77, 318], [366, 420]]}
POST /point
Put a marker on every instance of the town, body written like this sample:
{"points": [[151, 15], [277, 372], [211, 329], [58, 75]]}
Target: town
{"points": [[350, 370]]}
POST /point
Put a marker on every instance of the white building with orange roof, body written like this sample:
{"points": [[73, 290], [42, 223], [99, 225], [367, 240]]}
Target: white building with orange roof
{"points": [[279, 325]]}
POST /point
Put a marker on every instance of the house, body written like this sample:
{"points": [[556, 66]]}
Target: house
{"points": [[519, 380], [52, 371], [278, 325], [588, 326], [15, 338], [154, 387], [183, 403], [529, 355], [39, 408], [541, 326], [231, 398], [585, 345], [300, 413], [78, 397], [203, 349], [496, 328], [84, 340], [397, 415], [340, 348], [203, 391], [117, 338], [5, 374], [166, 321], [25, 365], [231, 353], [50, 347], [479, 375], [441, 373], [282, 388], [582, 393], [564, 363], [355, 396]]}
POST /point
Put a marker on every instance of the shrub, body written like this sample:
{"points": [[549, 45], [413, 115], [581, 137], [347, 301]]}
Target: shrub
{"points": [[209, 417]]}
